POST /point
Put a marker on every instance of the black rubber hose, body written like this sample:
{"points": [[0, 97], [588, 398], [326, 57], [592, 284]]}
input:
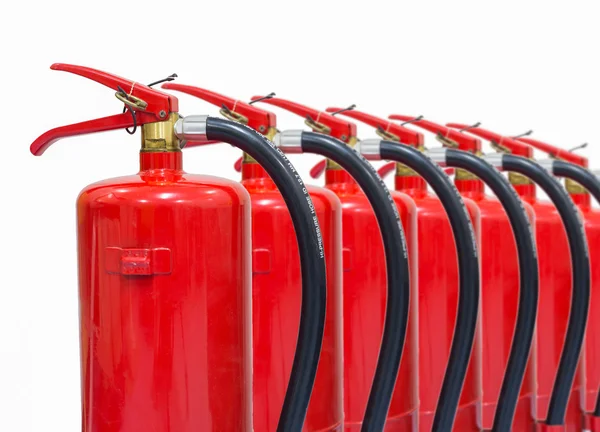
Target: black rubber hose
{"points": [[397, 268], [310, 245], [468, 264], [580, 265], [589, 181], [528, 274]]}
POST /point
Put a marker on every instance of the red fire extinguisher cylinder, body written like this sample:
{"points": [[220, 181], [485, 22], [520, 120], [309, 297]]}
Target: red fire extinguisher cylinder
{"points": [[143, 240]]}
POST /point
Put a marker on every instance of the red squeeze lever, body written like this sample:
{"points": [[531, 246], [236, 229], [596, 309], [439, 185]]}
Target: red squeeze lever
{"points": [[237, 166], [557, 152], [389, 130], [464, 141], [256, 118], [146, 104], [318, 170], [499, 141], [319, 121]]}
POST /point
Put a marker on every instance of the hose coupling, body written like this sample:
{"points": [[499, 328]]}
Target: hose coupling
{"points": [[438, 155], [547, 164], [191, 128], [289, 141], [496, 160], [369, 148]]}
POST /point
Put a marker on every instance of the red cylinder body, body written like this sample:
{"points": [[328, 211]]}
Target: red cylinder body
{"points": [[365, 293], [276, 301], [591, 218], [438, 302], [554, 306], [500, 287], [165, 306]]}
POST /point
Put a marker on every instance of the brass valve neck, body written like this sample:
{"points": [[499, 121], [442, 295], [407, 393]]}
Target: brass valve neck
{"points": [[331, 165], [574, 188], [270, 134], [160, 136]]}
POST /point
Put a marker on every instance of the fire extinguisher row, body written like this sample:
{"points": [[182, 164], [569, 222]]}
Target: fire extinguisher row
{"points": [[348, 307]]}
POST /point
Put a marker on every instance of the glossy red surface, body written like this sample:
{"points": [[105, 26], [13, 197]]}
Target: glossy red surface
{"points": [[500, 300], [554, 307], [438, 300], [276, 297], [165, 336], [592, 424], [365, 291], [591, 218]]}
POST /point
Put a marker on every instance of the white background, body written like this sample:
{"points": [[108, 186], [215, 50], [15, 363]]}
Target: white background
{"points": [[514, 65]]}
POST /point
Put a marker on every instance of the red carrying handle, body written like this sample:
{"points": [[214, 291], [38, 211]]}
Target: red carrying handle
{"points": [[556, 151], [238, 165], [515, 147], [145, 103], [318, 170], [394, 131], [338, 128]]}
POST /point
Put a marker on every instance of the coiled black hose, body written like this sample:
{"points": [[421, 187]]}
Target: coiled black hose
{"points": [[397, 268], [580, 266], [528, 273], [589, 181], [468, 264], [310, 245]]}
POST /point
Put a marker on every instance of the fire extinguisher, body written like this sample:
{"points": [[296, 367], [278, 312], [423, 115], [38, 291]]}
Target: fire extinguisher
{"points": [[579, 182], [165, 306], [368, 378], [561, 373], [499, 286], [276, 282], [438, 286]]}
